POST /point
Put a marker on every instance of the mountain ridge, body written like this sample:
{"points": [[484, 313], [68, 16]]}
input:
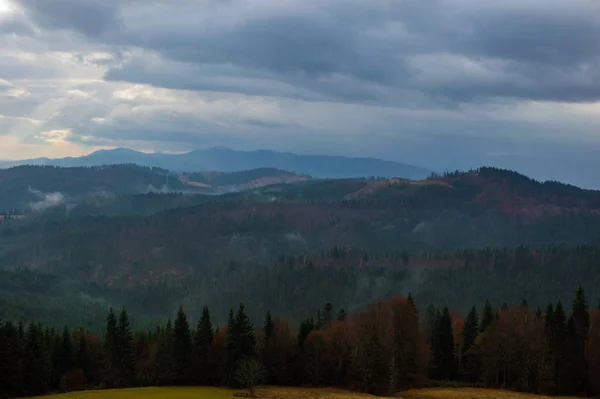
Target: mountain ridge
{"points": [[224, 159]]}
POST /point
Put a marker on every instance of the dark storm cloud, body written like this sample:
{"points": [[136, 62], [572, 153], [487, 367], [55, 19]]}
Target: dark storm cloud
{"points": [[90, 17], [357, 50]]}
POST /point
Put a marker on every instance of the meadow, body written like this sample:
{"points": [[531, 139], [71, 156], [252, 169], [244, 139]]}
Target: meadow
{"points": [[291, 393]]}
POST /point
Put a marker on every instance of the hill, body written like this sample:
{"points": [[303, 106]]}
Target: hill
{"points": [[36, 188], [433, 237], [227, 160]]}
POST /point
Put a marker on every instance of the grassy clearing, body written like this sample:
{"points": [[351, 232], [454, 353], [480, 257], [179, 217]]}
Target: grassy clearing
{"points": [[148, 393], [209, 393], [468, 393], [292, 393]]}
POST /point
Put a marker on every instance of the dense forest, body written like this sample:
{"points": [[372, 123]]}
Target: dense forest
{"points": [[382, 348], [293, 285], [486, 236]]}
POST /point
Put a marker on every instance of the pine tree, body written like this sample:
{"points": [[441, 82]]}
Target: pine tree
{"points": [[64, 353], [487, 317], [246, 344], [443, 347], [241, 343], [581, 326], [341, 315], [125, 349], [165, 368], [327, 314], [36, 368], [83, 358], [431, 315], [11, 378], [202, 342], [111, 350], [470, 330], [268, 348], [306, 327], [182, 347]]}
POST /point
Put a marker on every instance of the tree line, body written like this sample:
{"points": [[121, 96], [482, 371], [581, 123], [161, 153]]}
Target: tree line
{"points": [[385, 347]]}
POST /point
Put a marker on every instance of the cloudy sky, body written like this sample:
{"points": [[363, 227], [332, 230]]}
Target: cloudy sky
{"points": [[443, 84]]}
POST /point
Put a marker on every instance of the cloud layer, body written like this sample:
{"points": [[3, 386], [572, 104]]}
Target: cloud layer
{"points": [[440, 83]]}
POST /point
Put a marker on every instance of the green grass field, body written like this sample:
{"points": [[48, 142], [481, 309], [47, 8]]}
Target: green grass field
{"points": [[150, 393], [291, 393]]}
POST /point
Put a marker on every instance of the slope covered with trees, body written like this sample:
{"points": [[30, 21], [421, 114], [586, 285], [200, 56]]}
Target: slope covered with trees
{"points": [[382, 348]]}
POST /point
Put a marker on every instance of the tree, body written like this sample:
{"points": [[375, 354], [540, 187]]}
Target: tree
{"points": [[111, 349], [249, 374], [578, 336], [126, 354], [202, 342], [182, 348], [443, 347], [241, 342], [470, 330], [487, 316], [166, 368], [268, 347]]}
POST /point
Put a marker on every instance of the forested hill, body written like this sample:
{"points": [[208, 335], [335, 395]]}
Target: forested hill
{"points": [[35, 188], [226, 245]]}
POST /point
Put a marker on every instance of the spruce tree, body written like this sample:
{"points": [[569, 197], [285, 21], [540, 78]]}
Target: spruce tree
{"points": [[182, 348], [111, 350], [83, 358], [306, 327], [241, 343], [125, 350], [581, 326], [36, 368], [246, 345], [165, 368], [65, 353], [470, 330], [268, 348], [487, 316], [202, 342], [443, 347]]}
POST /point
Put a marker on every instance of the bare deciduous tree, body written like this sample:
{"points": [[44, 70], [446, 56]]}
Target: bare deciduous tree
{"points": [[250, 373]]}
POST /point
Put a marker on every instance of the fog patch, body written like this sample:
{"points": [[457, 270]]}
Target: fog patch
{"points": [[46, 200]]}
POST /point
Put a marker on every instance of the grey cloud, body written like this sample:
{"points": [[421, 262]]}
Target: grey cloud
{"points": [[356, 51], [90, 17]]}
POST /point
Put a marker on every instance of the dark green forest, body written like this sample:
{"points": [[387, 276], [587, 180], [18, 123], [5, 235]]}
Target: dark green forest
{"points": [[381, 348], [483, 236]]}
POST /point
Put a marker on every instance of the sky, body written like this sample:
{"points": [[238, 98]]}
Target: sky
{"points": [[443, 84]]}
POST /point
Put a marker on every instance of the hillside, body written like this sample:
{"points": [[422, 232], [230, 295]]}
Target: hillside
{"points": [[396, 236], [227, 160], [97, 189]]}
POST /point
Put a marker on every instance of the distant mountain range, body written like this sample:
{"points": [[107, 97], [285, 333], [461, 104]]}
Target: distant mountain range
{"points": [[227, 160]]}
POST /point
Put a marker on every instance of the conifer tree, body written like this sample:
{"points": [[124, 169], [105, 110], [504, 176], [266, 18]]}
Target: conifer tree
{"points": [[268, 348], [578, 336], [470, 330], [165, 368], [182, 347], [111, 349], [64, 353], [443, 347], [36, 369], [202, 342], [125, 350], [487, 316], [83, 358], [341, 315]]}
